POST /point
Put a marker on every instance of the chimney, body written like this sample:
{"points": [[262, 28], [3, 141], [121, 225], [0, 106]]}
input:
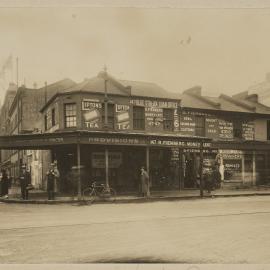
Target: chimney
{"points": [[35, 85]]}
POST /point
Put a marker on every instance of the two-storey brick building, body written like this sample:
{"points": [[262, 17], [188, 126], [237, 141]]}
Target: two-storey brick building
{"points": [[109, 128]]}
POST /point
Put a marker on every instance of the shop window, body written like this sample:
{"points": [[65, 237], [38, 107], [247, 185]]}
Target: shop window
{"points": [[237, 129], [200, 126], [53, 117], [45, 122], [70, 115], [138, 118], [268, 129], [168, 119], [110, 116]]}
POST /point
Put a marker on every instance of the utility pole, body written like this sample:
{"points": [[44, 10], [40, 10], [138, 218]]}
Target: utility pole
{"points": [[107, 185], [201, 169]]}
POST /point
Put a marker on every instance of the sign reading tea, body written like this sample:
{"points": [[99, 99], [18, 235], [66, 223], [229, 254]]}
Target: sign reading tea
{"points": [[122, 115], [91, 110]]}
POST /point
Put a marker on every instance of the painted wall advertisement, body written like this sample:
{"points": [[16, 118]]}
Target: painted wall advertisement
{"points": [[92, 113], [122, 116], [232, 160], [248, 131]]}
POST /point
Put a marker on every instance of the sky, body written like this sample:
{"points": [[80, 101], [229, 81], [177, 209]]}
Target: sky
{"points": [[222, 50]]}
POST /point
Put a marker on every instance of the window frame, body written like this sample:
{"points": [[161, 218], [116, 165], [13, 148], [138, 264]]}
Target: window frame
{"points": [[46, 121], [199, 130], [138, 119], [53, 117], [72, 116], [169, 121], [237, 129]]}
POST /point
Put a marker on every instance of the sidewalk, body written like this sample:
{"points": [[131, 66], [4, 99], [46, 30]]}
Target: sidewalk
{"points": [[40, 197]]}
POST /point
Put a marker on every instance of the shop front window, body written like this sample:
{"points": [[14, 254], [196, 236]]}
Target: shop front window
{"points": [[138, 118], [70, 111], [168, 119]]}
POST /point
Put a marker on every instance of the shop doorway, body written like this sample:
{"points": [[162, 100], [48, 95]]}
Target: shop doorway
{"points": [[164, 169]]}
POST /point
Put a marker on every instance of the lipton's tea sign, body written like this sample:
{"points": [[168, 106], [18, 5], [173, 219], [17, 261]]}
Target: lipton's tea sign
{"points": [[122, 116], [92, 111]]}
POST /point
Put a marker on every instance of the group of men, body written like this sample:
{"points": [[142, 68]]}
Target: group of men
{"points": [[25, 181]]}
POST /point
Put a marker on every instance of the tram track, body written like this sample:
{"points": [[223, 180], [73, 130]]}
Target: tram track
{"points": [[163, 218]]}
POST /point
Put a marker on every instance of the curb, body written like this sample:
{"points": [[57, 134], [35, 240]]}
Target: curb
{"points": [[133, 200]]}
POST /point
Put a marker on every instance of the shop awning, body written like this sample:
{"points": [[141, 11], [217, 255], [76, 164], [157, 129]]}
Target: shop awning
{"points": [[51, 140]]}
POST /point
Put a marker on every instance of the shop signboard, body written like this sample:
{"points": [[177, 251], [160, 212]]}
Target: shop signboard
{"points": [[154, 118], [115, 140], [232, 161], [248, 131], [187, 125], [225, 129], [176, 123], [91, 110], [154, 113], [98, 159], [122, 116], [211, 127]]}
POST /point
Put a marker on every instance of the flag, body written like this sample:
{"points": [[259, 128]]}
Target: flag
{"points": [[8, 64]]}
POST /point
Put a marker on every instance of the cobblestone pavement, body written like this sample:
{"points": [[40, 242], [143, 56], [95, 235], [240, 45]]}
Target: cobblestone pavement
{"points": [[223, 230]]}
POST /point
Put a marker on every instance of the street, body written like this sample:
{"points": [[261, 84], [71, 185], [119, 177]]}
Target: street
{"points": [[224, 230]]}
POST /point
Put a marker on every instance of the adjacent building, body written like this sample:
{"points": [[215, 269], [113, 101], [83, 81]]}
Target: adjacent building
{"points": [[21, 115]]}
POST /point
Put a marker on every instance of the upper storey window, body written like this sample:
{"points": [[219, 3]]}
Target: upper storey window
{"points": [[70, 111]]}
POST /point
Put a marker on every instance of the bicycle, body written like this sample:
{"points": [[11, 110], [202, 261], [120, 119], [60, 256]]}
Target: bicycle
{"points": [[98, 190]]}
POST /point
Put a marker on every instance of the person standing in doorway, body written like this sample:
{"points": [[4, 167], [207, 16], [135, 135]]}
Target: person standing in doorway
{"points": [[51, 183], [56, 177], [145, 183], [4, 184]]}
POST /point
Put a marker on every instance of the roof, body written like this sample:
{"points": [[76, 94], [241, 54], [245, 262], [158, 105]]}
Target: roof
{"points": [[122, 87], [116, 87], [242, 102], [56, 87], [50, 89]]}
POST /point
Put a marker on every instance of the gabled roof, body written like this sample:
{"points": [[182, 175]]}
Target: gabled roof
{"points": [[242, 102]]}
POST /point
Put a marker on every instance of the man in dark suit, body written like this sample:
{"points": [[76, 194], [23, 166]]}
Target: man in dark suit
{"points": [[25, 179]]}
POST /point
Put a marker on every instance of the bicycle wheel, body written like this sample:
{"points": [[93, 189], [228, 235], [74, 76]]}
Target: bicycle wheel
{"points": [[89, 195], [108, 195]]}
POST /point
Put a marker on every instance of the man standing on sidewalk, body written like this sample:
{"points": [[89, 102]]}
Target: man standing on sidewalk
{"points": [[145, 183], [51, 183], [24, 181]]}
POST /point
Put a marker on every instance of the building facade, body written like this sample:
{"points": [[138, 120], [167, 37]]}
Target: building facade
{"points": [[104, 129]]}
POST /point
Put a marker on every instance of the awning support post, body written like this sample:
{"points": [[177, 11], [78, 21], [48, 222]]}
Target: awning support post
{"points": [[107, 186], [79, 170]]}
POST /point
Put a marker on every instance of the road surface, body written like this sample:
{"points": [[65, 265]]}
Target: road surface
{"points": [[223, 230]]}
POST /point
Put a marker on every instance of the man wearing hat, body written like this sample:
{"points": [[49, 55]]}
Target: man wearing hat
{"points": [[24, 181], [51, 185]]}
